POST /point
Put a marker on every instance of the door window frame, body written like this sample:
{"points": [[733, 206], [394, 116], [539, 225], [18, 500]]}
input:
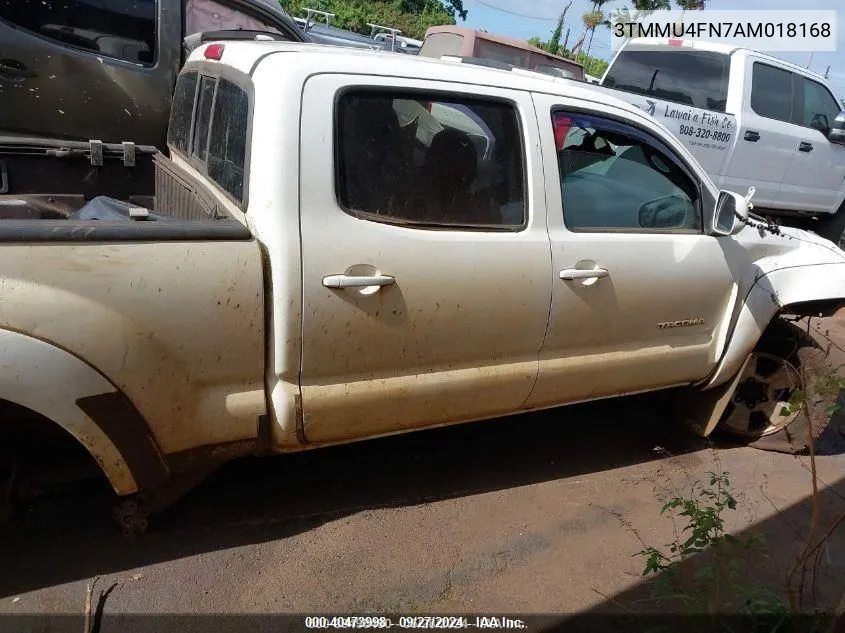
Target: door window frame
{"points": [[442, 96], [156, 40], [644, 135]]}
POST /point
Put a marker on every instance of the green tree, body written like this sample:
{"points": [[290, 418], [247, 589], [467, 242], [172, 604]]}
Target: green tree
{"points": [[452, 7]]}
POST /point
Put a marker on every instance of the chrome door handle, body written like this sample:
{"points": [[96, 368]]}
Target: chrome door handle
{"points": [[577, 273], [348, 281]]}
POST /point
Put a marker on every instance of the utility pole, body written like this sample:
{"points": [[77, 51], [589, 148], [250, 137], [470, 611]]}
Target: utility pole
{"points": [[566, 39], [811, 59]]}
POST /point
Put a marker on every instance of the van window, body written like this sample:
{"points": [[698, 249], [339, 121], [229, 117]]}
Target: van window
{"points": [[820, 108], [771, 92], [500, 52], [227, 143], [693, 78], [439, 44], [433, 161], [125, 30], [199, 143], [182, 112]]}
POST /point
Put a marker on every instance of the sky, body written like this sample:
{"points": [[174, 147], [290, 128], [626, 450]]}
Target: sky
{"points": [[527, 18]]}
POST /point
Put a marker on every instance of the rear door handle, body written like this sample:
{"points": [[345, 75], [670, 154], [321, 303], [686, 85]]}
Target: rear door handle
{"points": [[350, 281], [805, 147], [752, 136], [578, 273]]}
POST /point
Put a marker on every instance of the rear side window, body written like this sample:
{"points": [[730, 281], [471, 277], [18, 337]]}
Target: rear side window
{"points": [[182, 112], [771, 92], [124, 30], [431, 160], [227, 143], [199, 145], [693, 78]]}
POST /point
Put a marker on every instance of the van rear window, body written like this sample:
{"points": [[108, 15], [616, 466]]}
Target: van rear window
{"points": [[693, 78]]}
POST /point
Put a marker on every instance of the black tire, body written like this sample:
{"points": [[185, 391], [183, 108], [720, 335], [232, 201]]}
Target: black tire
{"points": [[833, 227], [785, 360]]}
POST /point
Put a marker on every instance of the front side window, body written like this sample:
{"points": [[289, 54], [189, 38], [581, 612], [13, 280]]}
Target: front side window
{"points": [[771, 92], [430, 160], [124, 30], [693, 78], [617, 178], [820, 108]]}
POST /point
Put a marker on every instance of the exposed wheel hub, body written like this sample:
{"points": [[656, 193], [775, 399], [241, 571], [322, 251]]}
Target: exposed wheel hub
{"points": [[760, 404]]}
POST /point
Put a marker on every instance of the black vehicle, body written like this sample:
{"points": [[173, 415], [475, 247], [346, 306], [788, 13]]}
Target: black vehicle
{"points": [[105, 69]]}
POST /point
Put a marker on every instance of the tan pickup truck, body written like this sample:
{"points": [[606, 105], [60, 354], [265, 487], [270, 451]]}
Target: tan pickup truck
{"points": [[350, 244]]}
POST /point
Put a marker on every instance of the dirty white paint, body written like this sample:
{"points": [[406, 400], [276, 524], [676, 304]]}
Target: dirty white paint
{"points": [[178, 337], [49, 381]]}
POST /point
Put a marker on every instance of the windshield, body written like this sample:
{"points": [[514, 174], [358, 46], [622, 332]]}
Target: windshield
{"points": [[694, 78]]}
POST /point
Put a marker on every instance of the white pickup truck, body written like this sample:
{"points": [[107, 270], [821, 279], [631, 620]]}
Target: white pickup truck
{"points": [[346, 244], [750, 119]]}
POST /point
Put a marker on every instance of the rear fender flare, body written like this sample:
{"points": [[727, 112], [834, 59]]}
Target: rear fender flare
{"points": [[66, 390]]}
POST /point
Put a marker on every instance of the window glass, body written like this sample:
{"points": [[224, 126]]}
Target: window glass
{"points": [[771, 92], [430, 161], [440, 44], [182, 111], [203, 118], [500, 52], [125, 30], [227, 143], [694, 78], [820, 108], [613, 177], [208, 15]]}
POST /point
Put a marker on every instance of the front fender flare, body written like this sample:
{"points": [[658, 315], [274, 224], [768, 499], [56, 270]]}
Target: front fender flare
{"points": [[66, 390], [770, 294]]}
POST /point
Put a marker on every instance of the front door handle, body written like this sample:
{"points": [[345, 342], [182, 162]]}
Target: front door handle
{"points": [[752, 136], [578, 273], [14, 69], [351, 281], [805, 147]]}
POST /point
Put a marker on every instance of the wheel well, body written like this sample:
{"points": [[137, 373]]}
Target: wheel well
{"points": [[816, 308], [40, 452]]}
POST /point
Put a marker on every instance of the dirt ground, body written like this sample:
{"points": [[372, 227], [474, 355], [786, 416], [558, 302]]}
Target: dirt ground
{"points": [[537, 513]]}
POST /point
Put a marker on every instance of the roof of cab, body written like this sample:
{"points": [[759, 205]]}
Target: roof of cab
{"points": [[245, 56]]}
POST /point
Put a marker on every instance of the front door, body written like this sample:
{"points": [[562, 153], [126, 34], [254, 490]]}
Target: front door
{"points": [[426, 265], [640, 294], [88, 70]]}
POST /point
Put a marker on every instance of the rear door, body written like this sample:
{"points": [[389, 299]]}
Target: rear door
{"points": [[89, 69], [425, 255]]}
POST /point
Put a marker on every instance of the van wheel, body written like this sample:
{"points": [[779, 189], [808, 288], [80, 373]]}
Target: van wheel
{"points": [[759, 405]]}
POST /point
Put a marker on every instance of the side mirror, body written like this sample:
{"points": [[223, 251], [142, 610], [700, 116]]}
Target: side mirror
{"points": [[837, 129], [731, 213]]}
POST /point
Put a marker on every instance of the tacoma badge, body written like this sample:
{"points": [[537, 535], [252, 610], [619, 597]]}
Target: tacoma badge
{"points": [[682, 323]]}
